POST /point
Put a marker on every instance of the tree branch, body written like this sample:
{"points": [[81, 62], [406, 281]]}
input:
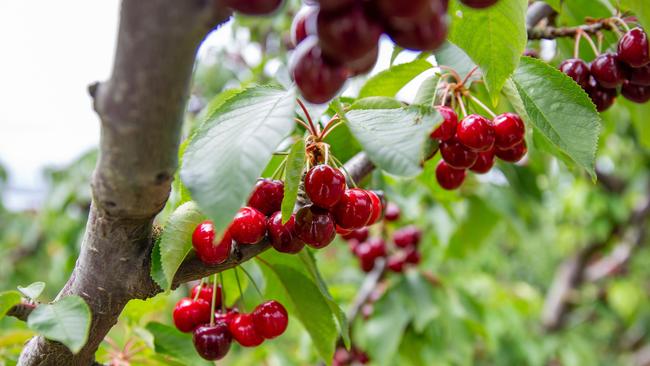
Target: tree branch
{"points": [[553, 32]]}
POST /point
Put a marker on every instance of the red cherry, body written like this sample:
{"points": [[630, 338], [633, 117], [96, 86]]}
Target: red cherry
{"points": [[360, 235], [449, 177], [601, 97], [413, 256], [392, 212], [317, 78], [315, 226], [509, 129], [363, 64], [270, 319], [607, 70], [248, 226], [513, 154], [331, 5], [476, 133], [324, 185], [422, 34], [341, 231], [396, 263], [484, 163], [212, 342], [283, 237], [635, 93], [189, 314], [377, 247], [478, 4], [640, 75], [267, 196], [304, 24], [243, 330], [457, 155], [254, 7], [633, 48], [408, 236], [203, 242], [447, 128], [206, 290], [366, 254], [377, 207], [577, 70], [354, 210]]}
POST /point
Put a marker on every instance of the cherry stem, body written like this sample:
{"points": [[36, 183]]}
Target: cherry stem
{"points": [[445, 94], [451, 71], [576, 45], [325, 134], [342, 167], [459, 98], [469, 75], [483, 106], [250, 278], [584, 35], [314, 131], [241, 293], [214, 300], [303, 124], [223, 293], [196, 295], [620, 21]]}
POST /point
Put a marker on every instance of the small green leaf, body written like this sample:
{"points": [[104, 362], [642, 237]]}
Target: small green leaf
{"points": [[8, 299], [33, 291], [387, 83], [66, 321], [292, 178], [639, 8], [427, 90], [170, 341], [376, 103], [474, 230], [156, 272]]}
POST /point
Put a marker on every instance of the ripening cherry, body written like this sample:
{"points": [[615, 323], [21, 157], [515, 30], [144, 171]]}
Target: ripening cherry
{"points": [[324, 185], [248, 226], [315, 226], [408, 236], [449, 177], [318, 79], [639, 75], [513, 154], [422, 34], [304, 24], [243, 330], [509, 129], [354, 210], [484, 163], [283, 237], [607, 70], [377, 207], [447, 129], [189, 314], [212, 342], [207, 250], [476, 133], [635, 93], [392, 212], [603, 98], [205, 291], [457, 155], [270, 319], [360, 235], [633, 48], [267, 196], [577, 70], [479, 4], [254, 7]]}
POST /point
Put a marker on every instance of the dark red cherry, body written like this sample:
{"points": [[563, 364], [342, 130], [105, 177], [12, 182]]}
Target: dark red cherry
{"points": [[408, 10], [354, 210], [363, 64], [392, 212], [324, 185], [254, 7], [446, 129], [408, 236], [513, 154], [331, 5], [206, 249], [607, 71], [476, 133], [577, 70], [509, 129], [248, 226], [212, 342], [284, 237], [413, 256], [457, 155], [267, 196], [633, 48], [243, 330], [377, 208], [635, 93], [640, 75], [377, 247], [315, 226], [304, 24], [601, 97], [270, 319], [479, 4], [484, 163], [360, 235], [449, 177], [189, 314], [341, 231], [422, 34], [317, 78], [396, 263], [366, 255], [205, 293]]}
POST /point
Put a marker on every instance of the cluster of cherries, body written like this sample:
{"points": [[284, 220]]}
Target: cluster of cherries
{"points": [[355, 356], [628, 70], [213, 330], [338, 39], [474, 142]]}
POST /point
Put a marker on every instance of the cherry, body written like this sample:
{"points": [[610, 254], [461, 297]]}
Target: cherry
{"points": [[447, 129], [633, 48], [478, 4], [304, 24], [203, 242], [396, 263], [413, 256], [377, 207], [341, 231], [243, 330], [354, 210], [640, 75], [635, 93], [317, 78], [367, 256], [392, 212], [267, 196], [205, 292], [330, 5], [601, 97], [360, 235], [270, 319], [363, 64], [315, 226], [476, 133], [509, 130], [457, 155], [484, 163], [254, 7], [212, 342], [421, 34], [283, 237], [607, 70], [408, 236], [377, 247], [324, 185], [513, 154], [189, 314], [577, 70], [409, 10], [248, 226], [449, 177]]}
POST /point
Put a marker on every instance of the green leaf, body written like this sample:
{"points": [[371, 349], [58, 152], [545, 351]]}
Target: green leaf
{"points": [[156, 272], [555, 4], [423, 305], [292, 178], [478, 224], [385, 329], [376, 103], [639, 115], [387, 83], [170, 341], [427, 90], [494, 38], [33, 291], [450, 55], [560, 110], [7, 300], [176, 239], [639, 8], [66, 321], [231, 149], [393, 138]]}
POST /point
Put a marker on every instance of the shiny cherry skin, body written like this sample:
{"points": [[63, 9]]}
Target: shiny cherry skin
{"points": [[284, 237], [254, 7], [633, 48], [509, 129], [189, 314], [248, 226], [513, 154], [392, 213], [448, 177], [422, 34], [635, 93], [304, 24], [447, 129], [207, 250], [359, 235], [639, 75], [315, 226], [331, 5], [324, 185], [267, 196], [212, 342], [408, 236], [603, 98], [479, 4], [363, 64], [243, 330], [476, 133], [484, 163], [607, 70], [457, 155], [377, 208], [354, 210], [576, 69], [318, 79], [270, 319], [205, 292]]}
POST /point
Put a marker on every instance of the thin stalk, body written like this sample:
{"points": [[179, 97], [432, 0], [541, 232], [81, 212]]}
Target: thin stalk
{"points": [[445, 94], [303, 124], [469, 75], [590, 41], [452, 72], [241, 293], [214, 300], [196, 295], [250, 278], [483, 106], [335, 120], [314, 130], [342, 167], [223, 293], [620, 21], [459, 98], [325, 134]]}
